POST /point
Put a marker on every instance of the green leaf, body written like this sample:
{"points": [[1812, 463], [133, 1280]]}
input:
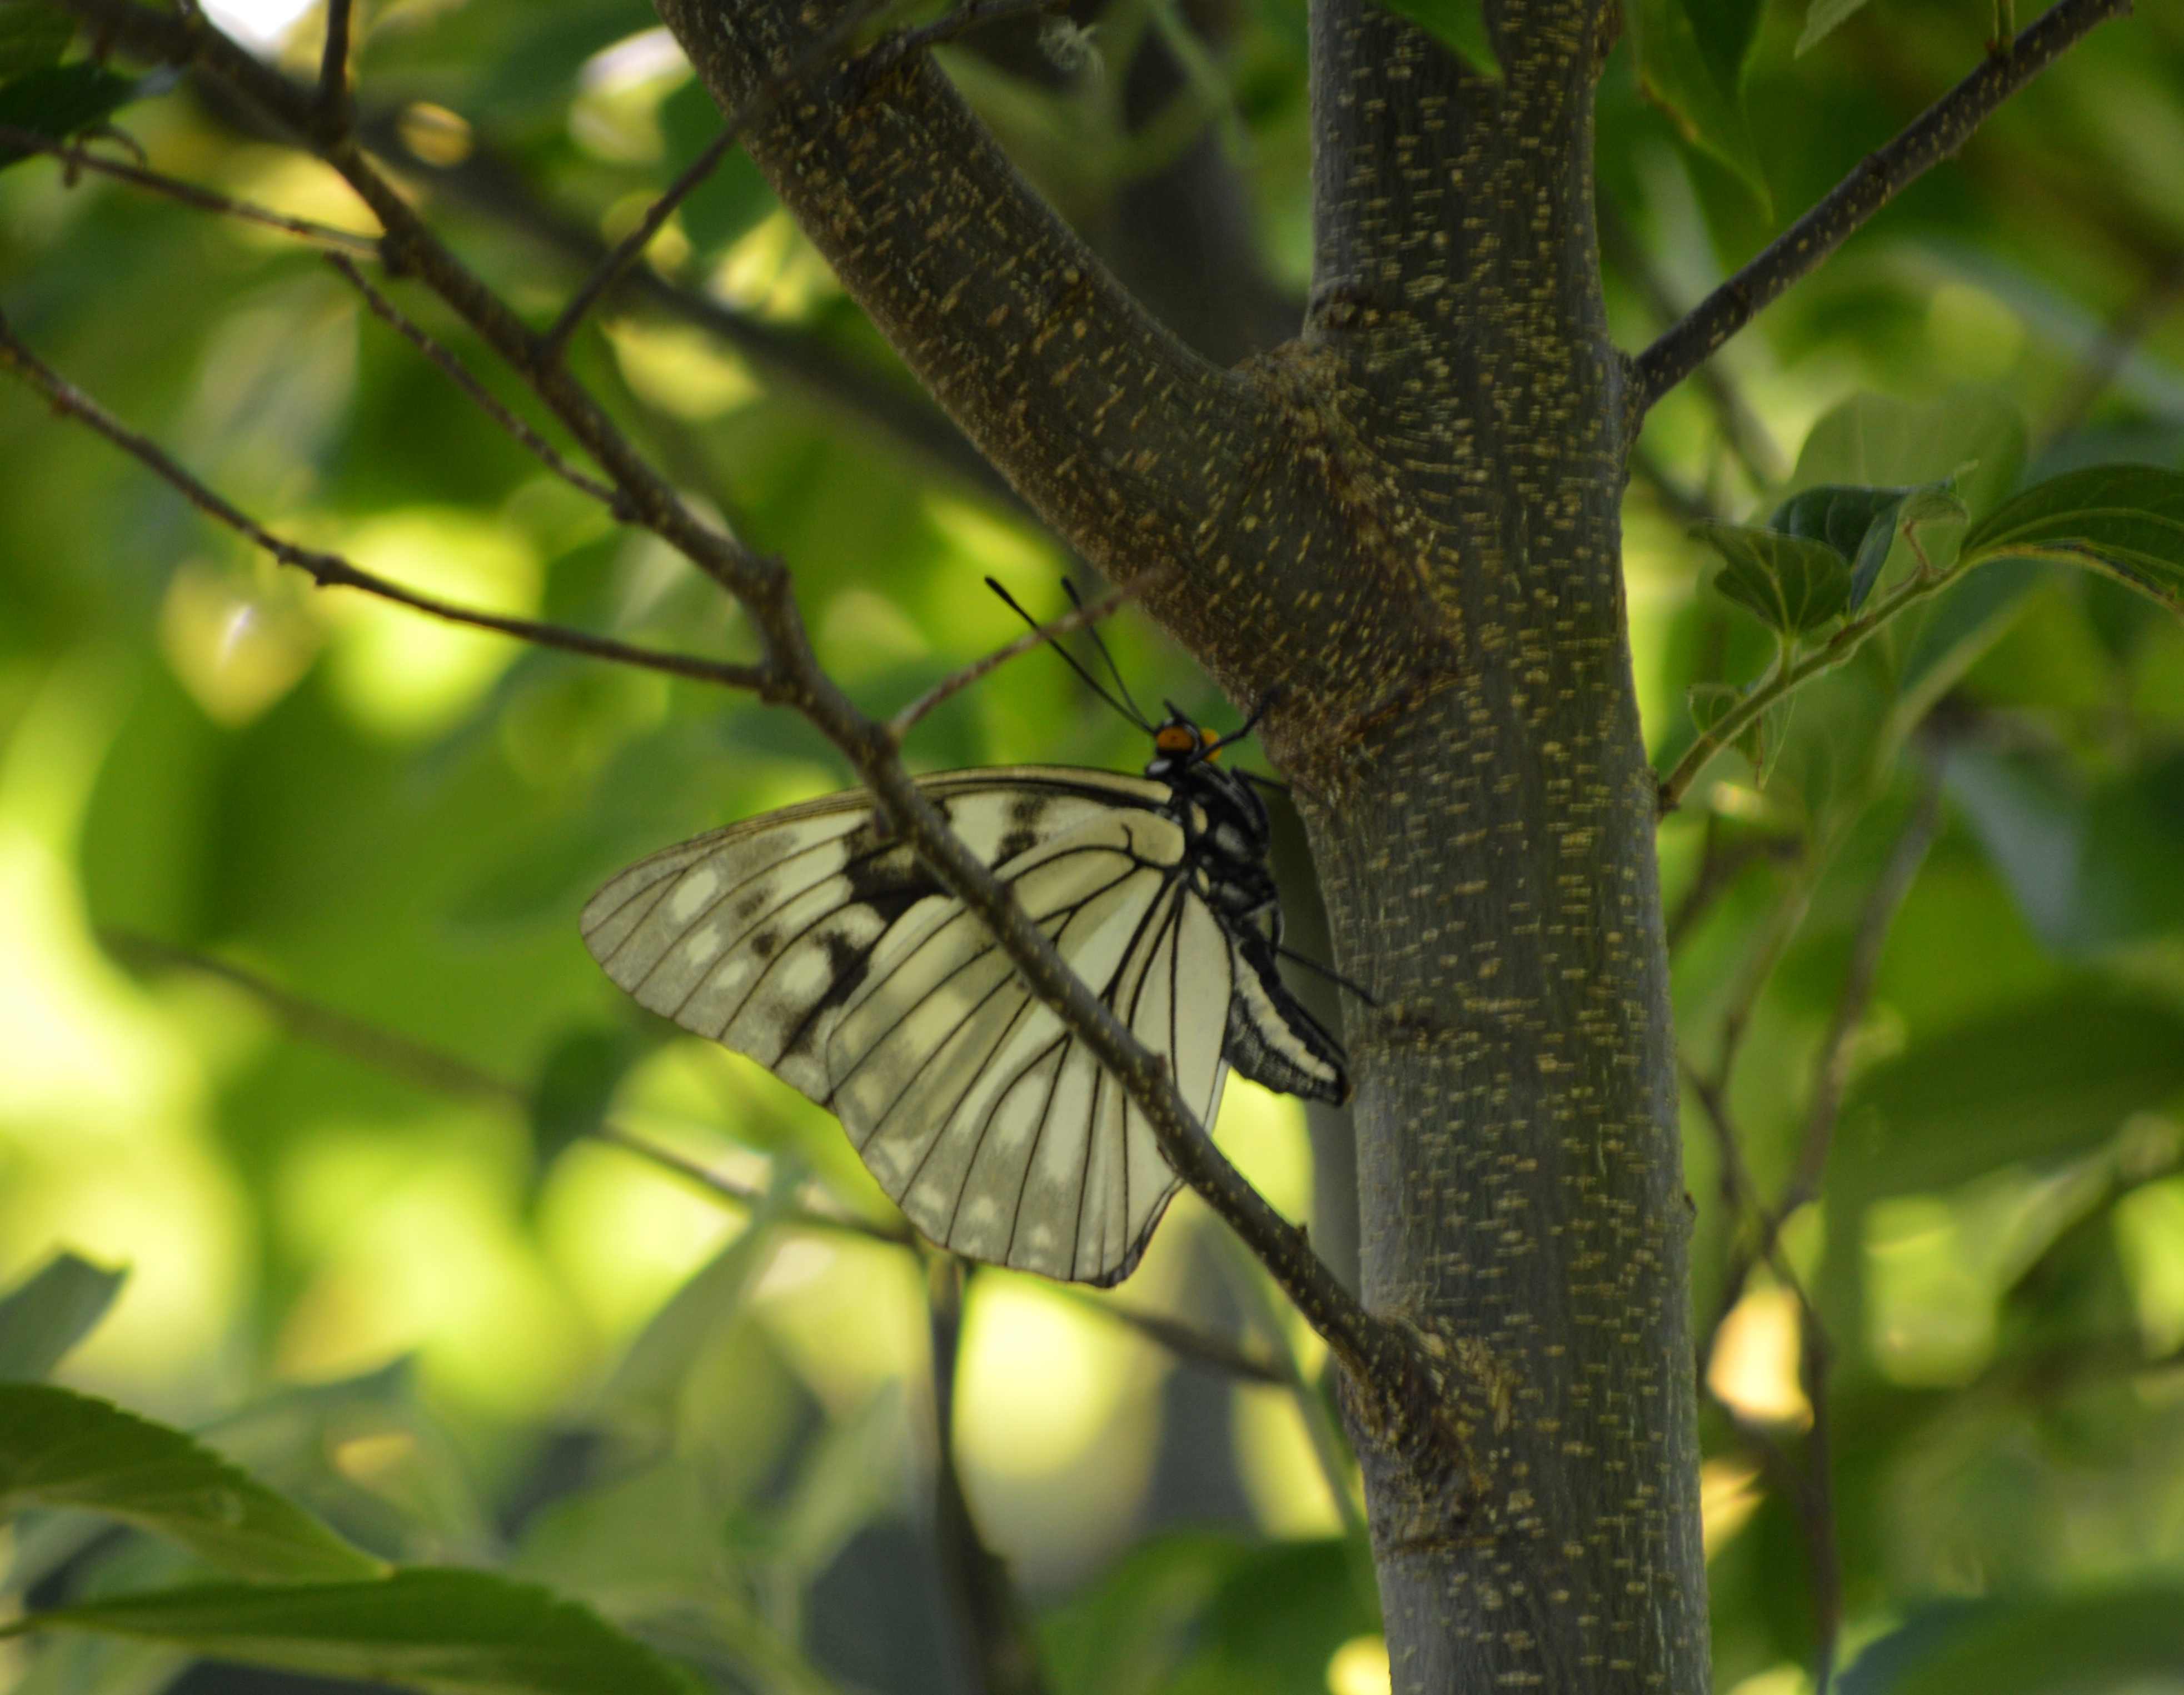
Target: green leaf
{"points": [[49, 1312], [1822, 17], [1276, 1621], [32, 35], [2048, 1080], [575, 1085], [2124, 521], [1971, 436], [2027, 1645], [62, 1449], [1841, 515], [1711, 702], [1965, 624], [2090, 869], [1691, 56], [451, 1633], [1199, 1612], [56, 101], [1458, 25], [1790, 584]]}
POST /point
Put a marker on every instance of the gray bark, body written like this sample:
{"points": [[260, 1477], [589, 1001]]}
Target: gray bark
{"points": [[1408, 518]]}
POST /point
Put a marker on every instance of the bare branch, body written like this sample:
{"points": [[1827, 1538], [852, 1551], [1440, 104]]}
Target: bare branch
{"points": [[1720, 866], [78, 157], [460, 375], [1937, 133], [332, 570], [440, 1072], [1091, 612], [1746, 437]]}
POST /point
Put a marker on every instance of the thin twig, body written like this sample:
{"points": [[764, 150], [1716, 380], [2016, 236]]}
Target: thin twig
{"points": [[1930, 138], [332, 570], [437, 1072], [1817, 1506], [994, 1623], [624, 252], [809, 1216], [814, 56], [1091, 612], [337, 111], [1811, 1484], [460, 375], [1831, 1072], [1182, 1341], [78, 157], [2106, 356], [484, 182], [1720, 866], [424, 1067]]}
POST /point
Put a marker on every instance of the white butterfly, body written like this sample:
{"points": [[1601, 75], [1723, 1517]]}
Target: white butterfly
{"points": [[815, 940]]}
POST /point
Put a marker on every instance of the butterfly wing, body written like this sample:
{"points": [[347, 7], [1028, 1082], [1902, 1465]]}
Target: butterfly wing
{"points": [[998, 1133], [816, 941]]}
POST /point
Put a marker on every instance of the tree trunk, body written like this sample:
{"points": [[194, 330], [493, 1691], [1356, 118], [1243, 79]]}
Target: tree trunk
{"points": [[1407, 521]]}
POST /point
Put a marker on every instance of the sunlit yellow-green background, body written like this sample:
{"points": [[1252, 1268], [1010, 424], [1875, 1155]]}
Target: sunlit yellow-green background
{"points": [[397, 822]]}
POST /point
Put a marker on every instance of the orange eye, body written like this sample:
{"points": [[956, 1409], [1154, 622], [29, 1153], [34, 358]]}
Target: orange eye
{"points": [[1174, 739]]}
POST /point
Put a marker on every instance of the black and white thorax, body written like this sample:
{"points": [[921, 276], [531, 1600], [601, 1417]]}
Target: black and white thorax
{"points": [[815, 940], [1228, 840]]}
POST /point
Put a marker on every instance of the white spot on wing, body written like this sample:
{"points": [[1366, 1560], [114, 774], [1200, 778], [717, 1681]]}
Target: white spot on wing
{"points": [[693, 892]]}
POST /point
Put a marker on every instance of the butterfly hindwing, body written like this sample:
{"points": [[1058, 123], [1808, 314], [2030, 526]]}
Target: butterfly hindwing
{"points": [[1272, 1039], [998, 1133]]}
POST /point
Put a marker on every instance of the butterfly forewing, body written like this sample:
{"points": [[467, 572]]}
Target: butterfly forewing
{"points": [[816, 942]]}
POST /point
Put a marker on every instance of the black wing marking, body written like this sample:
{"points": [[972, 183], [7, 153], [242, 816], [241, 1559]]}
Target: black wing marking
{"points": [[1272, 1039], [754, 936]]}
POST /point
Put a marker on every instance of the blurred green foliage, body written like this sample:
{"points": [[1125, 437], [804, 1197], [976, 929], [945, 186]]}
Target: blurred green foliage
{"points": [[377, 1259]]}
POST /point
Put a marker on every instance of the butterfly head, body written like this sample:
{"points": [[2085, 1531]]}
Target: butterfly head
{"points": [[1178, 743]]}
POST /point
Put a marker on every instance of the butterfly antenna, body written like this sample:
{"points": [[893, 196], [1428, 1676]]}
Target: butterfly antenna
{"points": [[1328, 972], [1114, 670], [1266, 705], [1091, 682]]}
